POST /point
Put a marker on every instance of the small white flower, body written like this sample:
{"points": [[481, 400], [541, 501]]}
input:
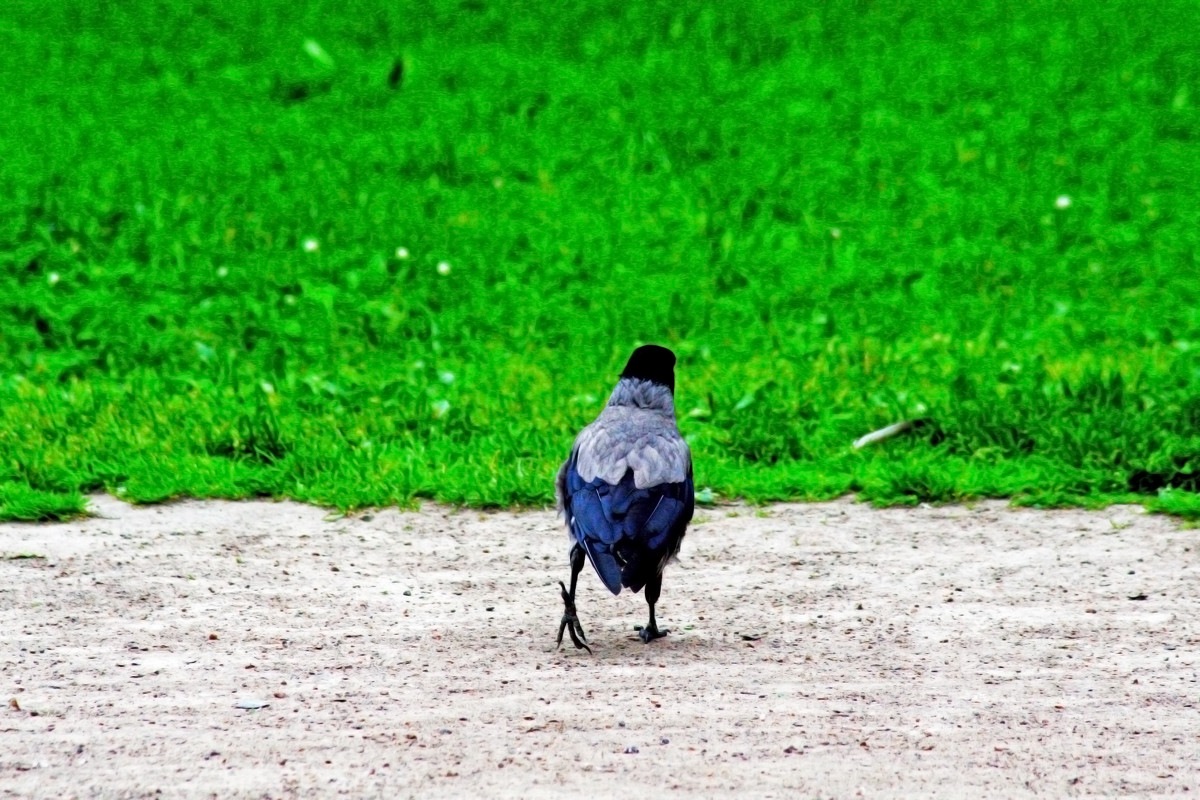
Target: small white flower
{"points": [[54, 278], [402, 252], [314, 49], [446, 377], [835, 233], [267, 387], [222, 272], [311, 245], [443, 268], [440, 408], [1062, 201]]}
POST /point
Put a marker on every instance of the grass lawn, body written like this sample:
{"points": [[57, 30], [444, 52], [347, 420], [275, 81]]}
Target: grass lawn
{"points": [[839, 214]]}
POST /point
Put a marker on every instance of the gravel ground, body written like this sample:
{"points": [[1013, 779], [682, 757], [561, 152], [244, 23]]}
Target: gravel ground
{"points": [[258, 649]]}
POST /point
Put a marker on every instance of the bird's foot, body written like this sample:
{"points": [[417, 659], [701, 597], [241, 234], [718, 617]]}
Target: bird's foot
{"points": [[570, 623], [649, 633]]}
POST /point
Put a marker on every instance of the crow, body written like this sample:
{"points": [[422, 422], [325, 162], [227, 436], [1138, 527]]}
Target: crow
{"points": [[626, 491]]}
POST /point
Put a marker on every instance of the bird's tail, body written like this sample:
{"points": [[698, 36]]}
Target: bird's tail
{"points": [[631, 567], [605, 564]]}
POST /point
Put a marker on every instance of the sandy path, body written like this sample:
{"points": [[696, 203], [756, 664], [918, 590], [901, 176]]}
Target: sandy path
{"points": [[945, 652]]}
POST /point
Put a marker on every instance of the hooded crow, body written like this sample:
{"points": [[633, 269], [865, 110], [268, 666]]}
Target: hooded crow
{"points": [[626, 490]]}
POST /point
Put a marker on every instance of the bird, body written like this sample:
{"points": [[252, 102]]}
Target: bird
{"points": [[626, 491]]}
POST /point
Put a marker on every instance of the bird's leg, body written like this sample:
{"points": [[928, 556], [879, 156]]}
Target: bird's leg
{"points": [[651, 632], [570, 622]]}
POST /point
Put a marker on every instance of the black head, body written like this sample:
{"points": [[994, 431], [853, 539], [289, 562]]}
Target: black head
{"points": [[652, 363]]}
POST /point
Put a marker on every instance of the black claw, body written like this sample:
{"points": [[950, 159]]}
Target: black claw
{"points": [[649, 634], [570, 623]]}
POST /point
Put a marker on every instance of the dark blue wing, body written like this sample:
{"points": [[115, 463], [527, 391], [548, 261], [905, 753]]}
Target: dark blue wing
{"points": [[627, 532]]}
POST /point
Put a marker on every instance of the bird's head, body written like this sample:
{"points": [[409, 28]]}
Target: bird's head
{"points": [[652, 363]]}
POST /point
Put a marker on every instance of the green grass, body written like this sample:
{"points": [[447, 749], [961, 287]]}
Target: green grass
{"points": [[839, 214]]}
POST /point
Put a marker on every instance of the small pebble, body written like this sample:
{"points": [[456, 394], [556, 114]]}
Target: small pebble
{"points": [[631, 750], [251, 705], [664, 741]]}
